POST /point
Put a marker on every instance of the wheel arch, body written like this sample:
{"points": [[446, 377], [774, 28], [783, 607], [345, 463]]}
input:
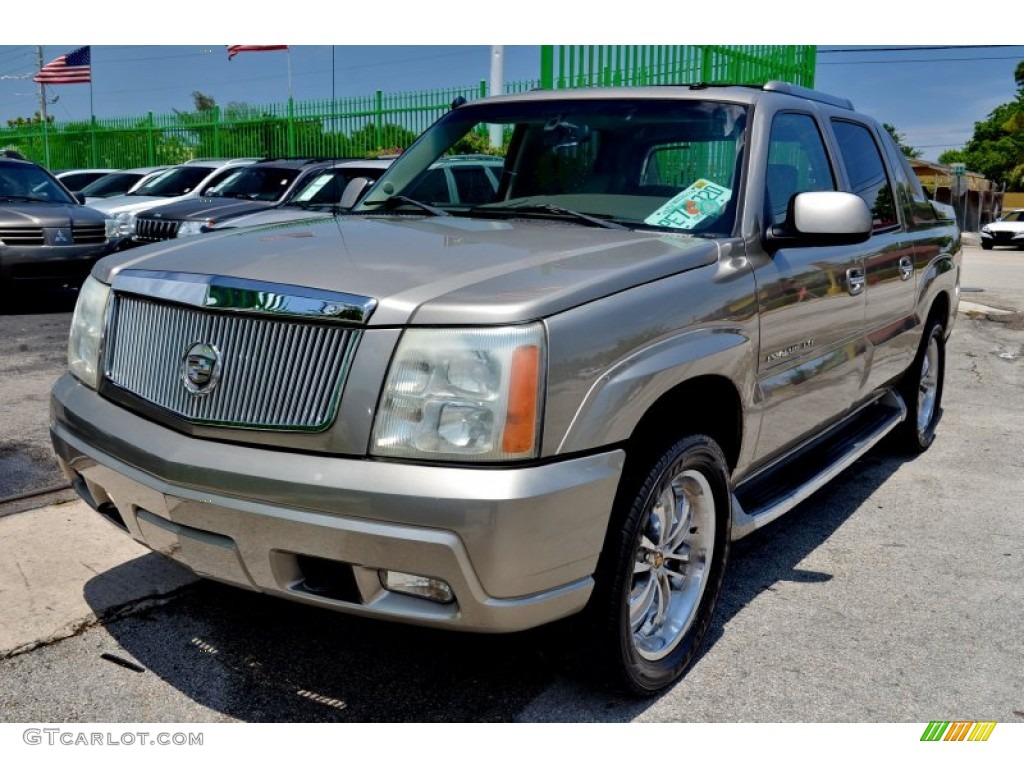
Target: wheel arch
{"points": [[719, 415]]}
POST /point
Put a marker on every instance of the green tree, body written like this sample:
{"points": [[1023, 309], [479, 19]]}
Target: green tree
{"points": [[997, 147], [905, 148], [951, 156], [392, 139], [25, 122]]}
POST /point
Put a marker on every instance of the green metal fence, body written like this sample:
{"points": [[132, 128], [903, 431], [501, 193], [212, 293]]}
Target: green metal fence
{"points": [[383, 122], [578, 66]]}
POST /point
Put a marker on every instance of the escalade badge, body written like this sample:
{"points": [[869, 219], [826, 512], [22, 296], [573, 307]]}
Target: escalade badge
{"points": [[201, 368]]}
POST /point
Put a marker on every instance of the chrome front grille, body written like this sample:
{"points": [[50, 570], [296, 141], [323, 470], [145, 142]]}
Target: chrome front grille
{"points": [[21, 236], [156, 229], [89, 234], [282, 374]]}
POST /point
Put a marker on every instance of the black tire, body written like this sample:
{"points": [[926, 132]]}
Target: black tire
{"points": [[922, 391], [648, 641], [986, 245]]}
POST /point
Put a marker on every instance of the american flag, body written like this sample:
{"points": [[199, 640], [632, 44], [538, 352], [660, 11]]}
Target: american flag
{"points": [[74, 67], [234, 49]]}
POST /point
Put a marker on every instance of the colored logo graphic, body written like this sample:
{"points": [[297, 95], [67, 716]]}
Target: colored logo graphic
{"points": [[959, 730]]}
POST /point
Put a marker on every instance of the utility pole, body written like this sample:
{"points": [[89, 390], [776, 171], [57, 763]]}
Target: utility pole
{"points": [[42, 109], [497, 89]]}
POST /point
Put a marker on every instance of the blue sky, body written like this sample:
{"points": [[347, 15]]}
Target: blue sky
{"points": [[933, 97]]}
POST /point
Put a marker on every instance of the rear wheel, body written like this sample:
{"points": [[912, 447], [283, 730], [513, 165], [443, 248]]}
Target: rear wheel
{"points": [[922, 390], [663, 567]]}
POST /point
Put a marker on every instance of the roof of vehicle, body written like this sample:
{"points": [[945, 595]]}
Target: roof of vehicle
{"points": [[220, 162], [62, 174], [733, 92]]}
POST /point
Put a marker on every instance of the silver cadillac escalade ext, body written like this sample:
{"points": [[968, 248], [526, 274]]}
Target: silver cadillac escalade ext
{"points": [[682, 311]]}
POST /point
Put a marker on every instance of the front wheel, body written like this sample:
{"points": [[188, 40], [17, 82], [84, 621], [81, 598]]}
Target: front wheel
{"points": [[664, 566], [986, 245], [922, 390]]}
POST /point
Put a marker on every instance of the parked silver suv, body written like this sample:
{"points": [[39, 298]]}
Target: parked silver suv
{"points": [[680, 312]]}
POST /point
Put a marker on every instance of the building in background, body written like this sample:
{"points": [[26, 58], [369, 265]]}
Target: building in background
{"points": [[977, 200]]}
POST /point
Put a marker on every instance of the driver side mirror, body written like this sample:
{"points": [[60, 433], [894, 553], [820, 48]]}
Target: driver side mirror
{"points": [[354, 190], [821, 218], [79, 196]]}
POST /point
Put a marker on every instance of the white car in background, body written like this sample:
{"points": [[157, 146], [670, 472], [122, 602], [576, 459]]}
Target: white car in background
{"points": [[189, 179], [1008, 229]]}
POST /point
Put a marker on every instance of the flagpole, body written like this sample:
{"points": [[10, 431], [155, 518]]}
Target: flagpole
{"points": [[92, 116], [288, 50], [42, 109]]}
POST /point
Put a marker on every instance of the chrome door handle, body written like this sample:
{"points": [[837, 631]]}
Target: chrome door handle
{"points": [[906, 268], [855, 281]]}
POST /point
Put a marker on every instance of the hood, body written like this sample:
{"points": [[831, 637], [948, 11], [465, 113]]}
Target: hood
{"points": [[1005, 226], [434, 270], [203, 208], [274, 215], [46, 214], [125, 203]]}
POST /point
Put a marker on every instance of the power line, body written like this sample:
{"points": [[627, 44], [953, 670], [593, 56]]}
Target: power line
{"points": [[919, 61], [912, 48]]}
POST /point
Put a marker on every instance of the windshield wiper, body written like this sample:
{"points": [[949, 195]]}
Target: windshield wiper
{"points": [[555, 210], [394, 201], [24, 199]]}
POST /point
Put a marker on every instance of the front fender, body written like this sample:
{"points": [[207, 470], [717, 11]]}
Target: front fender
{"points": [[620, 397]]}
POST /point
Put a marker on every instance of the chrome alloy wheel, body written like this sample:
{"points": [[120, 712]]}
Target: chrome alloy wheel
{"points": [[928, 385], [671, 564]]}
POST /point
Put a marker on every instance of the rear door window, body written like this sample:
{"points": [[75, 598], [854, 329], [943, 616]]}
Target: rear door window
{"points": [[864, 167]]}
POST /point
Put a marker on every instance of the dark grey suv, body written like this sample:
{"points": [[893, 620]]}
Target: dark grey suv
{"points": [[46, 234]]}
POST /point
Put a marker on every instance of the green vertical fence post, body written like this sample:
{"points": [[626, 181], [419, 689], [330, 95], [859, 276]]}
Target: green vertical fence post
{"points": [[150, 140], [216, 131], [378, 122], [92, 136], [706, 64], [483, 89], [547, 66], [291, 127]]}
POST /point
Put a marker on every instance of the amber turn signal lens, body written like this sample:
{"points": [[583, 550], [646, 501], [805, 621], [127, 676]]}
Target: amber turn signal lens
{"points": [[521, 419]]}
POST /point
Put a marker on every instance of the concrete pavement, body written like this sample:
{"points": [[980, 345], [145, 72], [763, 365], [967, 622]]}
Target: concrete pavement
{"points": [[48, 554]]}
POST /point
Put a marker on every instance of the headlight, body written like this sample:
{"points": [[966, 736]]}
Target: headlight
{"points": [[986, 230], [87, 331], [188, 228], [125, 223], [110, 228], [463, 394]]}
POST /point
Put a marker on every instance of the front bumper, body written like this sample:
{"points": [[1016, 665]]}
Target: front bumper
{"points": [[998, 237], [518, 546], [45, 263]]}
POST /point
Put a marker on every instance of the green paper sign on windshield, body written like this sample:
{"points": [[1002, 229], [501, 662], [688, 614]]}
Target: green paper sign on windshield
{"points": [[690, 207]]}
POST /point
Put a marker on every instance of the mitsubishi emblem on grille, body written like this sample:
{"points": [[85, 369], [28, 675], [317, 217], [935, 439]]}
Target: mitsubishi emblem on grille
{"points": [[201, 368]]}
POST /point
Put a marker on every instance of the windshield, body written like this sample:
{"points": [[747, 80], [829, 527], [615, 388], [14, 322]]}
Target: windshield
{"points": [[175, 182], [112, 184], [1013, 216], [30, 183], [253, 183], [327, 186], [644, 163]]}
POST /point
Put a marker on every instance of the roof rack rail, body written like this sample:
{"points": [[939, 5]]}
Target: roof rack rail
{"points": [[778, 86]]}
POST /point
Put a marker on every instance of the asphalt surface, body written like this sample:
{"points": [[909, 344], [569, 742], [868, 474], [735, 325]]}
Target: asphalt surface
{"points": [[33, 354], [893, 595]]}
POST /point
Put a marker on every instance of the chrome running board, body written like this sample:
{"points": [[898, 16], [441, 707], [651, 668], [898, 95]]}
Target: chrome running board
{"points": [[771, 493]]}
